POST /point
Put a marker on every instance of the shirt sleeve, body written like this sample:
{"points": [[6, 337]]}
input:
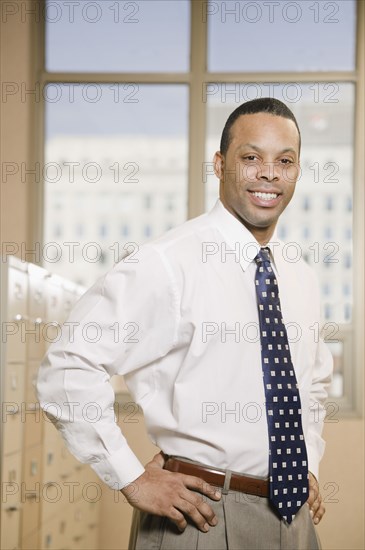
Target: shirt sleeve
{"points": [[322, 376], [126, 321]]}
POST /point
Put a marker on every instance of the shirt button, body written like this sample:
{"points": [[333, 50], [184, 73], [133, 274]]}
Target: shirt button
{"points": [[107, 477]]}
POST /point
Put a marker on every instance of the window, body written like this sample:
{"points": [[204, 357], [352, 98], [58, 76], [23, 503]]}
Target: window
{"points": [[329, 202], [134, 101], [254, 27], [130, 134], [113, 37]]}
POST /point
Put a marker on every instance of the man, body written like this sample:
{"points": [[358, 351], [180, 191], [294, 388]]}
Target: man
{"points": [[199, 359]]}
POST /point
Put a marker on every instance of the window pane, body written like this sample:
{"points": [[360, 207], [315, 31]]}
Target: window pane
{"points": [[115, 173], [281, 36], [115, 36], [319, 218]]}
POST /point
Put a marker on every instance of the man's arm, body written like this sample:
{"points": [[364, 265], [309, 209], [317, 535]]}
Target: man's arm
{"points": [[97, 342]]}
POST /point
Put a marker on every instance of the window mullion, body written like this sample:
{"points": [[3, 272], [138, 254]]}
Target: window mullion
{"points": [[358, 213], [197, 117]]}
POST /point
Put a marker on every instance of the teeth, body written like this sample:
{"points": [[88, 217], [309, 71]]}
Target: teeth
{"points": [[265, 196]]}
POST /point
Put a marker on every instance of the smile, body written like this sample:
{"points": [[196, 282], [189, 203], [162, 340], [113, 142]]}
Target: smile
{"points": [[265, 196]]}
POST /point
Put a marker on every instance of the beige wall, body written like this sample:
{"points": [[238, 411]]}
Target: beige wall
{"points": [[342, 485], [342, 473], [16, 129]]}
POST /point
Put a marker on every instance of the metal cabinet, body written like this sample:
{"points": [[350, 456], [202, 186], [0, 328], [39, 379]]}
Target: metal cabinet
{"points": [[43, 505]]}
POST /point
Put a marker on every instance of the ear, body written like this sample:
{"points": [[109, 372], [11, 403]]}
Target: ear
{"points": [[218, 162]]}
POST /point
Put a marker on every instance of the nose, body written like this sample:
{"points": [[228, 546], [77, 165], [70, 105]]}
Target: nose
{"points": [[268, 171]]}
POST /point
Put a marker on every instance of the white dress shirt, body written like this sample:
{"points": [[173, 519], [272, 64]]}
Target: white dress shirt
{"points": [[178, 318]]}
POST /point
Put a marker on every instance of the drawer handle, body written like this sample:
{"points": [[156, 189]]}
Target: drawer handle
{"points": [[12, 509], [32, 496], [38, 296], [13, 412], [33, 468], [18, 292], [12, 476], [19, 318], [14, 381]]}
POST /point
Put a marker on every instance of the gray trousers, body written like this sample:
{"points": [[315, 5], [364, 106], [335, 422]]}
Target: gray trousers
{"points": [[244, 522]]}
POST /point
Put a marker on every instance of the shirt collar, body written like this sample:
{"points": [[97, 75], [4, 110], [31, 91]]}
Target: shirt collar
{"points": [[236, 234]]}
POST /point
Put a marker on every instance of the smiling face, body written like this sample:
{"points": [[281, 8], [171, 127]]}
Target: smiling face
{"points": [[259, 171]]}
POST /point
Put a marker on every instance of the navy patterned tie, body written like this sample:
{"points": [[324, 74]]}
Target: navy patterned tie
{"points": [[288, 464]]}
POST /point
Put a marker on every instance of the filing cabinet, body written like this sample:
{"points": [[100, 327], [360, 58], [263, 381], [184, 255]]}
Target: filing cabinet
{"points": [[43, 504], [31, 413], [31, 541], [11, 481], [53, 534], [10, 517], [17, 289], [12, 405], [15, 296]]}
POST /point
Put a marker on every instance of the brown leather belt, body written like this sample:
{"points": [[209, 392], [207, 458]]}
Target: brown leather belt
{"points": [[239, 482]]}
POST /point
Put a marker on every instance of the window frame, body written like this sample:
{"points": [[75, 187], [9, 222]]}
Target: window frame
{"points": [[351, 335]]}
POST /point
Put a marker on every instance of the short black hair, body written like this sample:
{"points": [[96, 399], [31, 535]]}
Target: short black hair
{"points": [[268, 105]]}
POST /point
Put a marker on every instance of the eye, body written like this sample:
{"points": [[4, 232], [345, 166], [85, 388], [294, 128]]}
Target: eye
{"points": [[250, 158], [287, 161]]}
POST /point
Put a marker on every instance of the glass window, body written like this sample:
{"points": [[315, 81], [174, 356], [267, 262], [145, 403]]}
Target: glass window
{"points": [[329, 202], [147, 231], [348, 233], [326, 289], [114, 36], [103, 230], [57, 231], [79, 230], [282, 231], [306, 232], [306, 204], [328, 232], [125, 230], [314, 36], [147, 201], [348, 312], [80, 137]]}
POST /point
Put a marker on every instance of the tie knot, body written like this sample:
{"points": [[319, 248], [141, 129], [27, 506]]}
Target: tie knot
{"points": [[263, 256]]}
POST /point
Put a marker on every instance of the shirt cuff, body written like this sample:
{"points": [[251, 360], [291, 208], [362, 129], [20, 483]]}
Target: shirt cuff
{"points": [[119, 469], [313, 460]]}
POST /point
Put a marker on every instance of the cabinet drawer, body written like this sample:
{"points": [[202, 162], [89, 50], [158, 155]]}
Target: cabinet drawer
{"points": [[17, 294], [30, 514], [36, 292], [10, 521], [31, 375], [53, 534], [54, 299], [32, 466], [31, 541], [14, 383], [51, 461], [13, 336], [12, 428], [11, 481], [32, 425], [34, 338]]}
